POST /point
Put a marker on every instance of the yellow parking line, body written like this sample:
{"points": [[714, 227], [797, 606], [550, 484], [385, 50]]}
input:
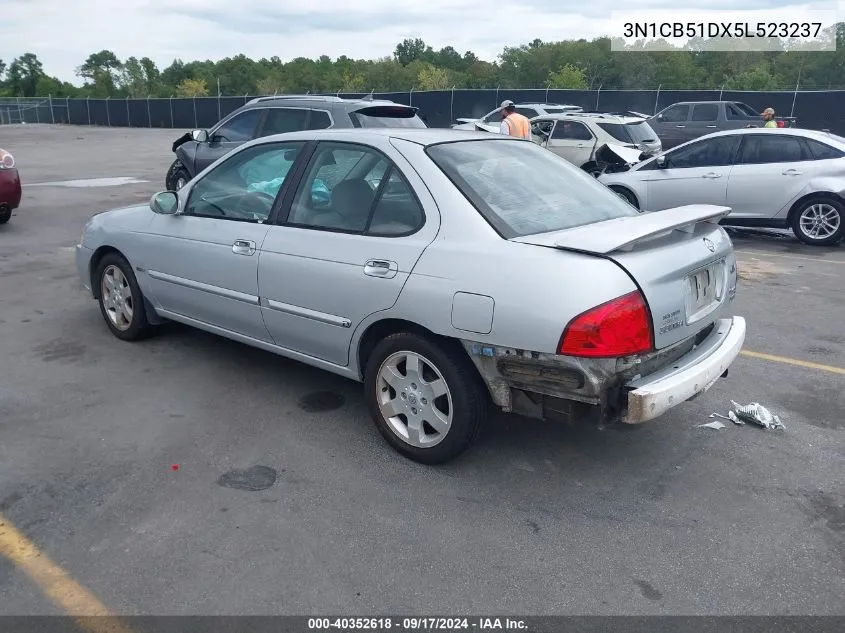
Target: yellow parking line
{"points": [[806, 259], [56, 583], [794, 361]]}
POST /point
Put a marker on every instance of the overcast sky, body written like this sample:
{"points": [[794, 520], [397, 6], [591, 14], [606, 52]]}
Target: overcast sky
{"points": [[64, 33]]}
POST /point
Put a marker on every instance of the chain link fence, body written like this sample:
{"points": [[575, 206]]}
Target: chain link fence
{"points": [[816, 109]]}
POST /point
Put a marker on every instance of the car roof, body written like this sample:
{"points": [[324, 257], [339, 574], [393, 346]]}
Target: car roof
{"points": [[588, 116], [421, 136], [786, 131], [282, 99]]}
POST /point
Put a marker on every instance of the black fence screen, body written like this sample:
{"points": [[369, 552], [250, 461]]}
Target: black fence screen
{"points": [[439, 108]]}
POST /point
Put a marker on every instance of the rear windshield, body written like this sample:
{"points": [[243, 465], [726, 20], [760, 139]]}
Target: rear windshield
{"points": [[635, 133], [523, 189], [387, 116]]}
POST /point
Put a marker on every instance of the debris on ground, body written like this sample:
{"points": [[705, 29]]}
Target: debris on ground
{"points": [[730, 417], [712, 425], [756, 413]]}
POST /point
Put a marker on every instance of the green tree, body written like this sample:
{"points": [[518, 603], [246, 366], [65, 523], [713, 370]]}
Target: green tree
{"points": [[432, 78], [102, 70], [24, 73], [411, 50], [567, 76], [192, 88], [133, 78]]}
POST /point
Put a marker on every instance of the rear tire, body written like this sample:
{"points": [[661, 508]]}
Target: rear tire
{"points": [[5, 214], [177, 176], [426, 399], [121, 300], [626, 194], [819, 221]]}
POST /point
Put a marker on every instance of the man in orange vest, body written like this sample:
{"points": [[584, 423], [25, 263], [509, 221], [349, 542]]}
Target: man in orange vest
{"points": [[513, 123]]}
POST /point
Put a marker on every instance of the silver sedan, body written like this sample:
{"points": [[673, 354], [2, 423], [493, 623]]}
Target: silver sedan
{"points": [[448, 271], [779, 178]]}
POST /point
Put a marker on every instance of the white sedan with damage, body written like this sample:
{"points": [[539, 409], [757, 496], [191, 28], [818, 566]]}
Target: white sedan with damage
{"points": [[447, 271]]}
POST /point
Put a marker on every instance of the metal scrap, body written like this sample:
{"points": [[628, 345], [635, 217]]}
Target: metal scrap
{"points": [[712, 425], [756, 413]]}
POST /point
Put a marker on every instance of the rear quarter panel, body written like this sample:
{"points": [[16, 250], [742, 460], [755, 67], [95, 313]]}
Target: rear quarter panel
{"points": [[535, 291]]}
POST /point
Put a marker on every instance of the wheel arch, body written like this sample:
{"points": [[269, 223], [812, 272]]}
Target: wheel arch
{"points": [[796, 206], [382, 328], [614, 186], [94, 262]]}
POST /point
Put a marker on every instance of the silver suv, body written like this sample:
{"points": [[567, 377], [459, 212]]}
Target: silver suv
{"points": [[583, 138], [265, 116]]}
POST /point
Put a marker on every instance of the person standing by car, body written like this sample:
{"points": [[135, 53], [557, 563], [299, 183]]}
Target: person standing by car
{"points": [[513, 123], [769, 117]]}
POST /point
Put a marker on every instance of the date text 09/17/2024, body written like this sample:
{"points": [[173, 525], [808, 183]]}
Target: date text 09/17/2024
{"points": [[417, 624], [738, 30]]}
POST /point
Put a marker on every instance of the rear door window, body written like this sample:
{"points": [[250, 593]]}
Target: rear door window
{"points": [[705, 112], [571, 131], [527, 112], [823, 151], [281, 120], [320, 120], [773, 148]]}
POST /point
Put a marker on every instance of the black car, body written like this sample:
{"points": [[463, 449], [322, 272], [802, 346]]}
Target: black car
{"points": [[265, 116]]}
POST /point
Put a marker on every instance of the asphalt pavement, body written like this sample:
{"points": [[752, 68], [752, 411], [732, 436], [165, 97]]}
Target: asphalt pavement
{"points": [[111, 455]]}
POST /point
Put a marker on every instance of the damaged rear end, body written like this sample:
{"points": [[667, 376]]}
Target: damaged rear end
{"points": [[639, 355]]}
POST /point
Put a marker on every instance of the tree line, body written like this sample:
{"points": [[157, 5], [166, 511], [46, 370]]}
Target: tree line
{"points": [[414, 65]]}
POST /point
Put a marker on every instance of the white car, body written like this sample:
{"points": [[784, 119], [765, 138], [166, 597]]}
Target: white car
{"points": [[491, 121], [779, 178], [581, 138]]}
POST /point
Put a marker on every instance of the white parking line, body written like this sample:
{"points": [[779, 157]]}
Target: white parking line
{"points": [[90, 182], [820, 260]]}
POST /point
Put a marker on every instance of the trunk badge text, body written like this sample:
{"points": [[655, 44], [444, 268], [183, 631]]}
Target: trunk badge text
{"points": [[710, 245]]}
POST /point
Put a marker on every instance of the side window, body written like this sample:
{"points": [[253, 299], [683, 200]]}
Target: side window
{"points": [[320, 120], [775, 148], [244, 186], [713, 152], [823, 151], [239, 128], [705, 112], [571, 131], [281, 120], [527, 112], [494, 117], [732, 113], [397, 211], [352, 187], [676, 114]]}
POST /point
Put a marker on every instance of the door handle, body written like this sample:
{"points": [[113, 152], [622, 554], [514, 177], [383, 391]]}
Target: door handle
{"points": [[381, 268], [243, 247], [680, 126], [712, 175], [791, 172], [580, 145]]}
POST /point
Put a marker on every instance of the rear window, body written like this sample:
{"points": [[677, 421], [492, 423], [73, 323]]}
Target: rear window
{"points": [[630, 132], [523, 189], [387, 116]]}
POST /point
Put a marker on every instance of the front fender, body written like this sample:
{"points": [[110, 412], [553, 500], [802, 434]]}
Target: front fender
{"points": [[186, 153]]}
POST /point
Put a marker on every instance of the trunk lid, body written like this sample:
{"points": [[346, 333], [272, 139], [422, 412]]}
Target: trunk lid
{"points": [[681, 259]]}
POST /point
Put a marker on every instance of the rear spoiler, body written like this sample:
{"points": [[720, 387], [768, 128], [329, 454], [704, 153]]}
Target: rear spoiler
{"points": [[620, 234], [467, 120]]}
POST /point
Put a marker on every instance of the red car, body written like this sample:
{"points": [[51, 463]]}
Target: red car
{"points": [[10, 186]]}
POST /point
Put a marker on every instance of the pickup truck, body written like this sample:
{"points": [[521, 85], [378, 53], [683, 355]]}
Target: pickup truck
{"points": [[686, 120]]}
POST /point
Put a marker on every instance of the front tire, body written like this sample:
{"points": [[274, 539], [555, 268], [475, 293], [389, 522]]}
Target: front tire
{"points": [[177, 176], [5, 213], [426, 399], [819, 221], [120, 298]]}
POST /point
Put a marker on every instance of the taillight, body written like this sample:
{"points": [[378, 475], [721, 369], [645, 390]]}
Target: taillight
{"points": [[7, 161], [620, 327]]}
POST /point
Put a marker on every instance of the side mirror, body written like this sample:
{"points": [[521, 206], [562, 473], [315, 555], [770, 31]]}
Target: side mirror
{"points": [[661, 161], [165, 203], [200, 136]]}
